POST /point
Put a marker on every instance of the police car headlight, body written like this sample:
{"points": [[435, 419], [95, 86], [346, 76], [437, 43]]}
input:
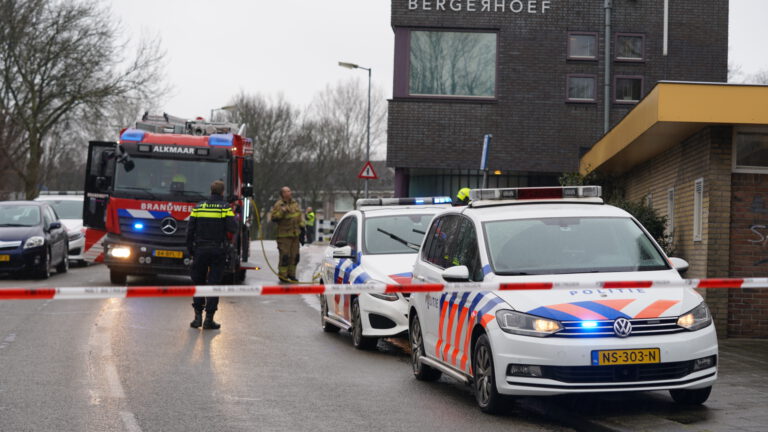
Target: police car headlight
{"points": [[34, 242], [382, 296], [696, 319], [528, 325]]}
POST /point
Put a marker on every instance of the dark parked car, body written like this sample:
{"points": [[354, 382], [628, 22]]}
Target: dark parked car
{"points": [[32, 239]]}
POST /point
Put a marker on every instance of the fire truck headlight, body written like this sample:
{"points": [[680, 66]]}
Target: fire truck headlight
{"points": [[120, 252]]}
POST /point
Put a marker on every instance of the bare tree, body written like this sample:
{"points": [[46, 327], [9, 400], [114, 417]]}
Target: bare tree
{"points": [[272, 123], [59, 59], [760, 77]]}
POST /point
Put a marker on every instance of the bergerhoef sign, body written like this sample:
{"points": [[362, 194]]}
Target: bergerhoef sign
{"points": [[482, 6]]}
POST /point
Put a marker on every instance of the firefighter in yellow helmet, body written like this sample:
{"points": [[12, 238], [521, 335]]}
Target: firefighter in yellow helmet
{"points": [[290, 231], [462, 198]]}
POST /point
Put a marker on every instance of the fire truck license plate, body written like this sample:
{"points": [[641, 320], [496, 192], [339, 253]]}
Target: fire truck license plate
{"points": [[625, 357], [168, 254], [5, 258]]}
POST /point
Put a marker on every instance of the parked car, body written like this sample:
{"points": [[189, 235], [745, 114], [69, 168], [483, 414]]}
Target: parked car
{"points": [[69, 207], [32, 239]]}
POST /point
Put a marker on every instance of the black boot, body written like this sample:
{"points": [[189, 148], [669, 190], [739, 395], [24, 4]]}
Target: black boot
{"points": [[209, 323], [198, 321]]}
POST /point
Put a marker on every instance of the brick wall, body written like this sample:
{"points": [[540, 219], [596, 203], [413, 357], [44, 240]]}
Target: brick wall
{"points": [[749, 254], [534, 129], [707, 155]]}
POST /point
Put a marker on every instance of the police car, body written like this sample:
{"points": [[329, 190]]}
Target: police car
{"points": [[377, 243], [564, 340]]}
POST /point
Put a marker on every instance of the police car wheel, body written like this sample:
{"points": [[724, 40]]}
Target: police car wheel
{"points": [[117, 277], [421, 371], [358, 340], [326, 326], [487, 396], [691, 397]]}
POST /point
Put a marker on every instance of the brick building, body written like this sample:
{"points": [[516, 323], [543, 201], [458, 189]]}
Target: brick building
{"points": [[699, 154], [531, 73]]}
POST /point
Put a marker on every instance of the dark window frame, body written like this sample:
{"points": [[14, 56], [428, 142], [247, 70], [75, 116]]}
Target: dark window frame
{"points": [[629, 59], [581, 101], [402, 69], [568, 55], [616, 79]]}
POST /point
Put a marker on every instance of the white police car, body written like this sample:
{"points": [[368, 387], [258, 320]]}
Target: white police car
{"points": [[377, 243], [563, 340]]}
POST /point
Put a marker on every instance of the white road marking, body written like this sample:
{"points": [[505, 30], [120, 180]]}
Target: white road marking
{"points": [[11, 337], [130, 422], [113, 381]]}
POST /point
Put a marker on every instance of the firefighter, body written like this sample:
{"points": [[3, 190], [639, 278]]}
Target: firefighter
{"points": [[290, 231], [310, 225], [462, 197], [211, 226]]}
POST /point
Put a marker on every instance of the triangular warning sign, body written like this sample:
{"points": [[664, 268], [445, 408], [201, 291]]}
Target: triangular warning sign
{"points": [[368, 172]]}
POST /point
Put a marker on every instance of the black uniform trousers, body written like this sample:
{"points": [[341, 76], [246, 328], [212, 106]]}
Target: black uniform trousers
{"points": [[207, 269]]}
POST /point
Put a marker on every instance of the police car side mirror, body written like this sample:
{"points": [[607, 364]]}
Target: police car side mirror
{"points": [[679, 264], [344, 252], [456, 274]]}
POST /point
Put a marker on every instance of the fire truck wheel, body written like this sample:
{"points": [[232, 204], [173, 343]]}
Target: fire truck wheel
{"points": [[117, 277], [240, 276]]}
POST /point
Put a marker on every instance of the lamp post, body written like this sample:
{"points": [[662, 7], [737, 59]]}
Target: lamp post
{"points": [[224, 108], [368, 139]]}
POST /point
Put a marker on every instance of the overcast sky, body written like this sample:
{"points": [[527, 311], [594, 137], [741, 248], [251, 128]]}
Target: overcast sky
{"points": [[216, 49]]}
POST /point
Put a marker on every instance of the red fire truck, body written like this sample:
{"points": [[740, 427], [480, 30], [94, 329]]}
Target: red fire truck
{"points": [[140, 191]]}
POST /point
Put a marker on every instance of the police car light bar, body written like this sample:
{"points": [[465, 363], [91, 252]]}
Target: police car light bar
{"points": [[380, 202], [542, 193]]}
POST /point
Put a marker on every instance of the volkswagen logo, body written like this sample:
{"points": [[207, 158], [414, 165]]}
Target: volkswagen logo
{"points": [[622, 327], [169, 226]]}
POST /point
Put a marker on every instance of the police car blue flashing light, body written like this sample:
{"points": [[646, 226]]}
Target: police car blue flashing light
{"points": [[138, 226], [589, 324], [221, 140], [379, 202], [133, 135]]}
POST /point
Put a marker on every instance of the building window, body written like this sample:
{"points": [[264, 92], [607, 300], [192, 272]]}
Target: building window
{"points": [[343, 203], [630, 47], [581, 88], [629, 89], [455, 64], [582, 46], [750, 150], [670, 212], [698, 209]]}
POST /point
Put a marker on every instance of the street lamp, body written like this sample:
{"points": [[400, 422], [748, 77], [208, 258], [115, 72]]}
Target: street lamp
{"points": [[224, 108], [368, 140]]}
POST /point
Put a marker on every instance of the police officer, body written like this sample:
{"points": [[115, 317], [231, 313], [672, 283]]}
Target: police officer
{"points": [[462, 197], [211, 226], [290, 229], [310, 225]]}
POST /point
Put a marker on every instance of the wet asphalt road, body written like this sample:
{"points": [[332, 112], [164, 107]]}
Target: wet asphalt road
{"points": [[135, 365]]}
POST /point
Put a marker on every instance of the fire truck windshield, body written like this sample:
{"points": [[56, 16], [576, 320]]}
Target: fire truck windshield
{"points": [[181, 180]]}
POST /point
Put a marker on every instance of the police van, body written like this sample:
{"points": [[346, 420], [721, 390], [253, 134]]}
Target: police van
{"points": [[565, 340]]}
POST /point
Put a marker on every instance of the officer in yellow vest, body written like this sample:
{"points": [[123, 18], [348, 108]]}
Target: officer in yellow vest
{"points": [[462, 197], [310, 223], [290, 227], [209, 230]]}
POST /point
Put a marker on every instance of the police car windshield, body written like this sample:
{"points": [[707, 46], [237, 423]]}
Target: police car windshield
{"points": [[19, 216], [183, 180], [570, 245], [395, 234]]}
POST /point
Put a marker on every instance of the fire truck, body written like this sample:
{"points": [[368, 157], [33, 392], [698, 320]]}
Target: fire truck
{"points": [[140, 192]]}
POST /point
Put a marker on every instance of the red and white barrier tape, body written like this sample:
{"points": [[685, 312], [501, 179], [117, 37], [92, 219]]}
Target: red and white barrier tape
{"points": [[85, 293]]}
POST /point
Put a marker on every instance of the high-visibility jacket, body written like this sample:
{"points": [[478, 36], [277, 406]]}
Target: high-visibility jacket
{"points": [[210, 224], [310, 219], [288, 217]]}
